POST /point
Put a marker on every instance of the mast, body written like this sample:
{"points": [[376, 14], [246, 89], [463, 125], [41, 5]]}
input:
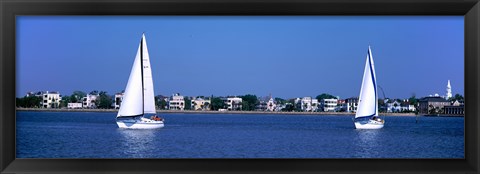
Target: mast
{"points": [[368, 104], [141, 66]]}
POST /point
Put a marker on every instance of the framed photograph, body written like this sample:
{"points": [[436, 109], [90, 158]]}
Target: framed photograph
{"points": [[251, 86]]}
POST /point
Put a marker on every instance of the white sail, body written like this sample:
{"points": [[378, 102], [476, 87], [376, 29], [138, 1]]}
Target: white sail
{"points": [[149, 97], [137, 101], [367, 102], [132, 103]]}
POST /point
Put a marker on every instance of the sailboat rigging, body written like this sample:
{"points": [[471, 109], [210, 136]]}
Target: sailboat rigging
{"points": [[366, 116], [138, 100]]}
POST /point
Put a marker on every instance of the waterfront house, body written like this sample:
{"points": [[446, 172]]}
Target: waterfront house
{"points": [[351, 104], [234, 103], [50, 99], [262, 104], [393, 106], [176, 102], [432, 105], [405, 106], [329, 104], [200, 104], [90, 101], [308, 104]]}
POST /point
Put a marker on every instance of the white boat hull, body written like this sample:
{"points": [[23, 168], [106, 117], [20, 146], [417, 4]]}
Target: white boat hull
{"points": [[371, 124], [139, 124]]}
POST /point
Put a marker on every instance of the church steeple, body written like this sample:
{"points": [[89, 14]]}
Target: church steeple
{"points": [[449, 90]]}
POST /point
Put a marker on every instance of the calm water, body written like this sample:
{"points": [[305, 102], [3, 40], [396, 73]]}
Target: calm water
{"points": [[95, 135]]}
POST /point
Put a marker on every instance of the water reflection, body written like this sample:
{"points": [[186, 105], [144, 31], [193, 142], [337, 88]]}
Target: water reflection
{"points": [[138, 143], [367, 143]]}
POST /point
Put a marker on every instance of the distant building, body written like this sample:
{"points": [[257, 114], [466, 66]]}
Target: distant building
{"points": [[329, 105], [50, 99], [234, 103], [428, 105], [393, 106], [118, 100], [449, 91], [406, 106], [262, 104], [298, 103], [351, 104], [200, 104], [341, 106], [90, 101], [74, 105], [271, 104], [308, 104], [456, 108], [176, 102]]}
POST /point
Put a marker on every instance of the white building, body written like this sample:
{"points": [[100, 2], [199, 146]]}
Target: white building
{"points": [[449, 91], [271, 104], [308, 104], [407, 107], [200, 104], [118, 100], [50, 99], [329, 105], [393, 106], [176, 102], [234, 103], [74, 105], [90, 101], [351, 104]]}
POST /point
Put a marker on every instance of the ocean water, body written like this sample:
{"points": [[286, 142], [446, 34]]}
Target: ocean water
{"points": [[96, 135]]}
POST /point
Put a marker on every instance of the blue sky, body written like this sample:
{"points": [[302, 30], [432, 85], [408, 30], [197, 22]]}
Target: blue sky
{"points": [[286, 56]]}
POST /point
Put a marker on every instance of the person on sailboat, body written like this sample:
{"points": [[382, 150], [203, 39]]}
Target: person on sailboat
{"points": [[376, 118], [156, 118]]}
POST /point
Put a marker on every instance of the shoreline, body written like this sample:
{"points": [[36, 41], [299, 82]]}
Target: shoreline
{"points": [[213, 112]]}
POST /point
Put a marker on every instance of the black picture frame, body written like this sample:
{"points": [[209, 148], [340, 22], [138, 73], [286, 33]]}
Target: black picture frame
{"points": [[9, 9]]}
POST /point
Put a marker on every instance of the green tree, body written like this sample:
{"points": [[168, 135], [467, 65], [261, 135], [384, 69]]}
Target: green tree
{"points": [[162, 104], [280, 100], [217, 103], [413, 100], [28, 102], [206, 105], [188, 103], [94, 92], [77, 96], [456, 97], [64, 102], [246, 106], [289, 107], [252, 102], [105, 101], [324, 96]]}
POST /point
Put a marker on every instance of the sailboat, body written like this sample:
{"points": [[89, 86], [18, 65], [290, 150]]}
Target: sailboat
{"points": [[138, 99], [366, 116]]}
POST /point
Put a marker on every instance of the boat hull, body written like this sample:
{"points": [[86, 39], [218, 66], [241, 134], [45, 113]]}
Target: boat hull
{"points": [[139, 124], [371, 124]]}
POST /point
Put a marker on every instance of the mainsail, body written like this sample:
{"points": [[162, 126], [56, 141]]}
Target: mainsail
{"points": [[139, 95], [367, 102]]}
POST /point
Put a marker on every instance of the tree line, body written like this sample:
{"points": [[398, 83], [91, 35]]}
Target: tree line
{"points": [[249, 101]]}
